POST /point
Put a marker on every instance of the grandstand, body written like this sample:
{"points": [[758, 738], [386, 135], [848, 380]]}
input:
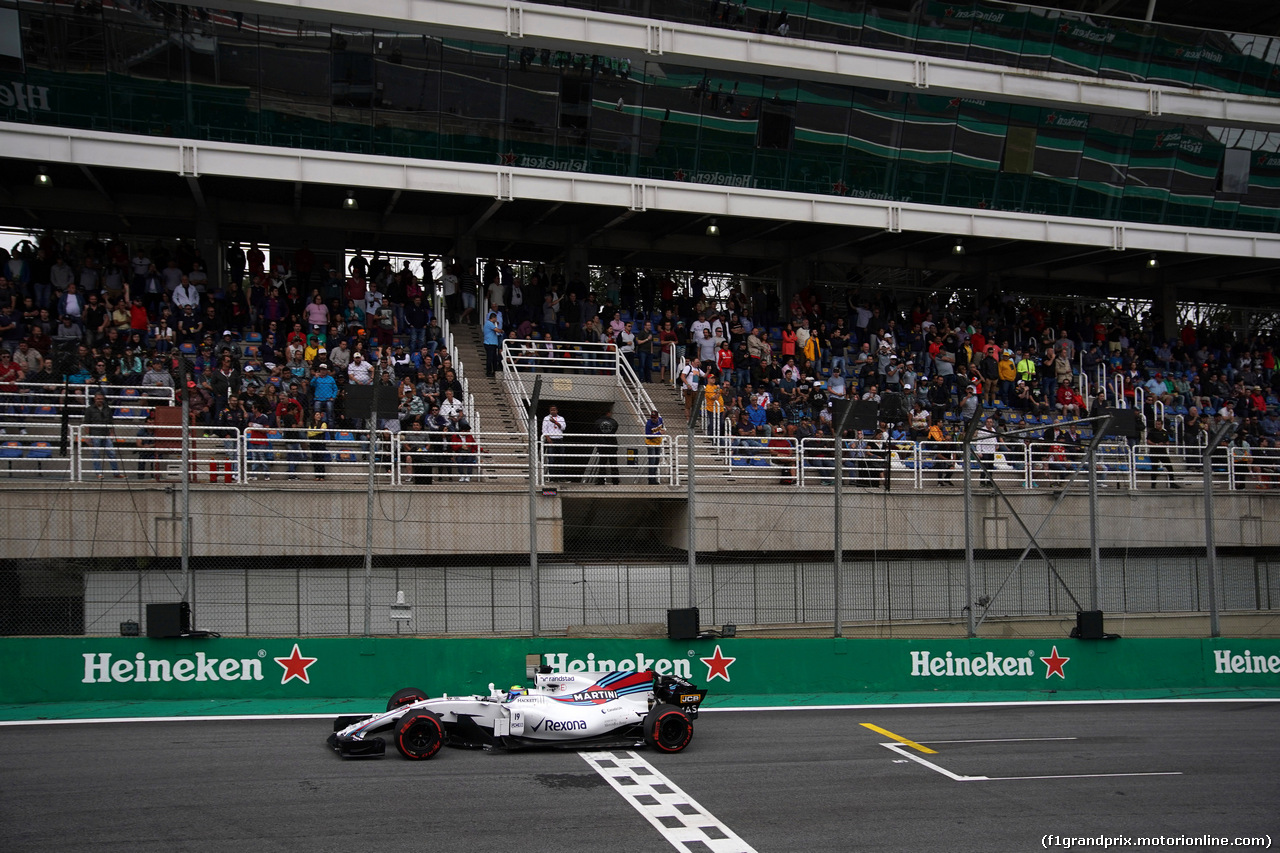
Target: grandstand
{"points": [[936, 230]]}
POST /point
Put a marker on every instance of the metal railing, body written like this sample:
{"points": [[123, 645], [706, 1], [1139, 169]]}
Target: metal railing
{"points": [[520, 358], [230, 456], [42, 401]]}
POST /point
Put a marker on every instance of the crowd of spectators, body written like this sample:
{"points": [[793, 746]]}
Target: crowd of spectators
{"points": [[285, 337]]}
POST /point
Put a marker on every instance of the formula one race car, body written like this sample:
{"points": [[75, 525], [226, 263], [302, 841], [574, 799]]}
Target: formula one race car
{"points": [[574, 711]]}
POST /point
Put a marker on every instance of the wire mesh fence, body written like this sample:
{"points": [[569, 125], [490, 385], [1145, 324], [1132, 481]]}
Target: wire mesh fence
{"points": [[928, 544]]}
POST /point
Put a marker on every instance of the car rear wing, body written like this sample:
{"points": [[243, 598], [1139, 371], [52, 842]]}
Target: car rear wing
{"points": [[673, 690]]}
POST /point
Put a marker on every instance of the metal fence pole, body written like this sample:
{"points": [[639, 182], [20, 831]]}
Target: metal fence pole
{"points": [[837, 615], [969, 430], [690, 496], [1219, 435], [368, 512], [186, 478], [535, 620]]}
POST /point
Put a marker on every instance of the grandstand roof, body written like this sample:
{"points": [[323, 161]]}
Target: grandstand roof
{"points": [[130, 201]]}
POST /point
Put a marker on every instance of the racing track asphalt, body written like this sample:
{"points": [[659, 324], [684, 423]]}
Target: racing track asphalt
{"points": [[803, 780]]}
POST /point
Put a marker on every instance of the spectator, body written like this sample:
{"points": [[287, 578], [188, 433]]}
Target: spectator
{"points": [[100, 430], [553, 426]]}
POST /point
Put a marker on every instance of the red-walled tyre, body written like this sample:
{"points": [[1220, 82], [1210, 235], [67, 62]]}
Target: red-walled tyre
{"points": [[667, 728], [405, 696], [419, 735]]}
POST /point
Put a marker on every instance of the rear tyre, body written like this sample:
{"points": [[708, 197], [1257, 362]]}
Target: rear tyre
{"points": [[405, 696], [420, 735], [667, 728]]}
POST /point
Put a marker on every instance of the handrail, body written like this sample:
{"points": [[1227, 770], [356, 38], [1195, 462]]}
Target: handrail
{"points": [[523, 357], [224, 455]]}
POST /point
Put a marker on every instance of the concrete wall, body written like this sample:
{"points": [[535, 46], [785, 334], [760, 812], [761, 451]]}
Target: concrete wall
{"points": [[70, 520]]}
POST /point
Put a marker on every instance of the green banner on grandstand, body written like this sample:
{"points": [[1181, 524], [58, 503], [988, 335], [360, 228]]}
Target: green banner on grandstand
{"points": [[127, 669]]}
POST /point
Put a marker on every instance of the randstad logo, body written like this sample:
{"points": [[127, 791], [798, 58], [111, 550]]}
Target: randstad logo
{"points": [[988, 665]]}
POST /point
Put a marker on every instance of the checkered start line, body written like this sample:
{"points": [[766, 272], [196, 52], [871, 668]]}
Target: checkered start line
{"points": [[678, 816]]}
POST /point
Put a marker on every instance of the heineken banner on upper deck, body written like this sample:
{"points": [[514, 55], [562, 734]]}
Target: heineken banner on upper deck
{"points": [[118, 668]]}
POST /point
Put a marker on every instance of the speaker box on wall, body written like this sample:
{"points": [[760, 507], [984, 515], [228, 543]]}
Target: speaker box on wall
{"points": [[893, 408], [682, 624], [168, 620], [1089, 625]]}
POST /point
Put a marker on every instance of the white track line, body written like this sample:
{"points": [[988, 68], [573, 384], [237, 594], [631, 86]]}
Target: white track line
{"points": [[754, 708], [680, 818], [898, 748]]}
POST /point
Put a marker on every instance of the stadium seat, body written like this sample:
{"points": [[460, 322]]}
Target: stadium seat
{"points": [[187, 349], [253, 338]]}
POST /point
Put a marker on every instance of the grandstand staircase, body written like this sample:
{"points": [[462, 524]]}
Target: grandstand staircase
{"points": [[496, 411]]}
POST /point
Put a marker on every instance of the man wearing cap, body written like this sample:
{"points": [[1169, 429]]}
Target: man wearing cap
{"points": [[158, 378], [359, 371], [324, 389]]}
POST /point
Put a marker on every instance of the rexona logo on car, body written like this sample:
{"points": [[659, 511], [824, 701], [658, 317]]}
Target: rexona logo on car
{"points": [[1227, 661], [989, 664], [562, 663], [562, 725]]}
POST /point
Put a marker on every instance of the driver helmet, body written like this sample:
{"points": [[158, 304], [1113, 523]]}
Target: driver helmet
{"points": [[516, 690]]}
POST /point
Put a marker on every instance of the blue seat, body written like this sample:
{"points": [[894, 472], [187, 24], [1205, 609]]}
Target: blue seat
{"points": [[253, 338], [187, 348]]}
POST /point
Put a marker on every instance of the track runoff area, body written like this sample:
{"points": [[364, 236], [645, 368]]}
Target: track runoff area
{"points": [[1198, 775]]}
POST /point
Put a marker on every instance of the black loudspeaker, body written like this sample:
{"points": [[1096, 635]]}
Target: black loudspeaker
{"points": [[1089, 625], [862, 414], [1124, 423], [682, 624], [168, 620], [893, 408]]}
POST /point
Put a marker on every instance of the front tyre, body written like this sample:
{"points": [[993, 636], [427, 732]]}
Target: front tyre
{"points": [[405, 696], [667, 728], [420, 735]]}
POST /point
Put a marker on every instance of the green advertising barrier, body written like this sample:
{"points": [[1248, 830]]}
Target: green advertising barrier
{"points": [[49, 670]]}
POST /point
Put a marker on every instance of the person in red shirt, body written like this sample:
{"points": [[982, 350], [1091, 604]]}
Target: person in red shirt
{"points": [[1069, 401], [724, 360], [10, 375]]}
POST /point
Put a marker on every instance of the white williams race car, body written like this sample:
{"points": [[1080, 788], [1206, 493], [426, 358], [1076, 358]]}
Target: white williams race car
{"points": [[586, 710]]}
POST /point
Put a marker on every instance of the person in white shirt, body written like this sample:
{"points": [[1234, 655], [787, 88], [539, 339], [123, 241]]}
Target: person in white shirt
{"points": [[360, 371], [552, 439], [186, 294], [450, 406]]}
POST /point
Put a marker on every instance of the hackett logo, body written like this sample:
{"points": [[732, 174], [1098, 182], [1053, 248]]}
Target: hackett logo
{"points": [[990, 664]]}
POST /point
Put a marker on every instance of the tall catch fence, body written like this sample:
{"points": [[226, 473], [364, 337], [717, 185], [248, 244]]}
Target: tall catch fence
{"points": [[290, 532]]}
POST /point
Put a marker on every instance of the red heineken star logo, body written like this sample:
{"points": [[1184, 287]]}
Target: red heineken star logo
{"points": [[953, 103], [1051, 118], [839, 188], [717, 665], [678, 174], [295, 666], [509, 159], [1064, 28], [1054, 662]]}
